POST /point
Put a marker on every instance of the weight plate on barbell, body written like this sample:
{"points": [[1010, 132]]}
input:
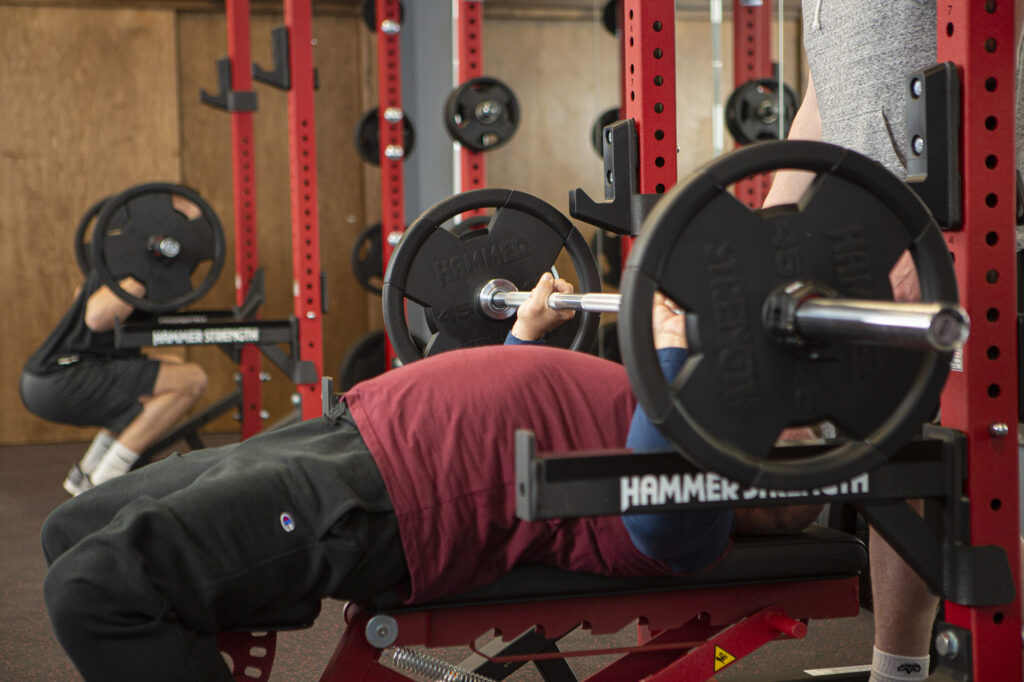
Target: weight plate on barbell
{"points": [[481, 114], [82, 235], [740, 388], [752, 111], [367, 137], [140, 233], [444, 272]]}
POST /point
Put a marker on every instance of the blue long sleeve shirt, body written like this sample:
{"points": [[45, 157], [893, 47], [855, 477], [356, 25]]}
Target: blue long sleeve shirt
{"points": [[685, 540]]}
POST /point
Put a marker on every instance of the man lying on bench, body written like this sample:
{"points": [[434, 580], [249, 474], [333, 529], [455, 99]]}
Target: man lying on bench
{"points": [[407, 483]]}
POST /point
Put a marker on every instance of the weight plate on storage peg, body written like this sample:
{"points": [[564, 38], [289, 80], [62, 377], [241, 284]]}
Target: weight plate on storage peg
{"points": [[482, 114], [369, 12], [140, 233], [607, 117], [82, 235], [752, 111], [365, 359], [444, 272], [609, 16], [740, 387], [368, 259], [367, 137]]}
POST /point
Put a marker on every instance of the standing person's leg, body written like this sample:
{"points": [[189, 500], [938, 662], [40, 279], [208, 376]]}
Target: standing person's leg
{"points": [[904, 613], [256, 541]]}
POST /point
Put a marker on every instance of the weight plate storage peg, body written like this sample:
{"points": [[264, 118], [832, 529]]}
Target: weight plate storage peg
{"points": [[445, 273], [367, 137], [82, 245], [482, 114], [752, 111], [140, 233], [743, 383]]}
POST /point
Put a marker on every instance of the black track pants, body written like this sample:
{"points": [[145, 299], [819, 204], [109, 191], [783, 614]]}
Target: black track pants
{"points": [[147, 568]]}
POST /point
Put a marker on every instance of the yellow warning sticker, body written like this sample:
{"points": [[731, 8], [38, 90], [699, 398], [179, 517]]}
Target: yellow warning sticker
{"points": [[722, 658]]}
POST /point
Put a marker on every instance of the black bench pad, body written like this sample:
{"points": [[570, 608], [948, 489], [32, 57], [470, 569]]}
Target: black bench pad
{"points": [[815, 554]]}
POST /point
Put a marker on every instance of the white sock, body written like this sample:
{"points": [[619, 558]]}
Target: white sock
{"points": [[116, 462], [891, 668], [99, 446]]}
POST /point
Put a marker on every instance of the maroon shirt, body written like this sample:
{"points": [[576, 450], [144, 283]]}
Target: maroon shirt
{"points": [[442, 432]]}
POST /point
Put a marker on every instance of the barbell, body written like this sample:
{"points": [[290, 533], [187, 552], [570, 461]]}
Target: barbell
{"points": [[797, 314], [790, 318]]}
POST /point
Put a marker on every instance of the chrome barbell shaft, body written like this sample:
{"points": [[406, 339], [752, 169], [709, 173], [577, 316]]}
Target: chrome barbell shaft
{"points": [[597, 303], [937, 326]]}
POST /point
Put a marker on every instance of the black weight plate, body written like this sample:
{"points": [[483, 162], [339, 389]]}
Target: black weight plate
{"points": [[365, 359], [752, 111], [609, 16], [369, 12], [368, 259], [367, 137], [82, 246], [719, 260], [123, 244], [482, 114], [607, 249], [607, 117], [443, 272]]}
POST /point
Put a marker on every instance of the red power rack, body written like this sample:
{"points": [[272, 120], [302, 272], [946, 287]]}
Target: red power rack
{"points": [[473, 174], [306, 285], [752, 59], [981, 398], [391, 125], [246, 253]]}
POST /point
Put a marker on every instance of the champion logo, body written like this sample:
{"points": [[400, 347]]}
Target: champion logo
{"points": [[287, 522]]}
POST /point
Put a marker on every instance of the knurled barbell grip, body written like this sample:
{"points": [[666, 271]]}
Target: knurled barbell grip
{"points": [[936, 326]]}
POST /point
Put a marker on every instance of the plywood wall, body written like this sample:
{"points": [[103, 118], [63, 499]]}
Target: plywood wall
{"points": [[90, 107], [102, 97]]}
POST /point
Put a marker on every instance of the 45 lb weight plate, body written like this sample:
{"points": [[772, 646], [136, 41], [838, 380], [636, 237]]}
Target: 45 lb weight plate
{"points": [[740, 386]]}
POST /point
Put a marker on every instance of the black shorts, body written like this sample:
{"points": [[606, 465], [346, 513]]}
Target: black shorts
{"points": [[101, 392]]}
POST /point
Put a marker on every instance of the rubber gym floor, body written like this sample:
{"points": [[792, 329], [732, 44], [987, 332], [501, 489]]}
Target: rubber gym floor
{"points": [[30, 487]]}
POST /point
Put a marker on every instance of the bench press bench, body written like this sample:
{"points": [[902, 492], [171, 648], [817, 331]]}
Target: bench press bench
{"points": [[762, 590]]}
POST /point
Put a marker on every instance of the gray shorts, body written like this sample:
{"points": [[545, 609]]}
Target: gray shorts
{"points": [[102, 392]]}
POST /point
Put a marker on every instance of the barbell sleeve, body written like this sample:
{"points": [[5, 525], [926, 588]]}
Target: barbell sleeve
{"points": [[937, 326], [927, 326]]}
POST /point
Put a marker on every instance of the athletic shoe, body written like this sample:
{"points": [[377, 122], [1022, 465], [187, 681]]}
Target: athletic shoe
{"points": [[77, 482]]}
